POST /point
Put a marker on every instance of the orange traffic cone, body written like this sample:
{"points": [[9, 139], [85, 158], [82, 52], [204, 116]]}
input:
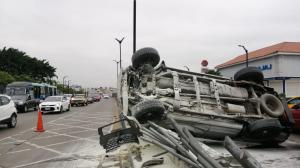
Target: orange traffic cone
{"points": [[39, 126]]}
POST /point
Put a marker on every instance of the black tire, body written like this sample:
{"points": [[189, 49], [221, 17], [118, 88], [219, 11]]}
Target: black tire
{"points": [[25, 109], [61, 109], [145, 56], [36, 107], [69, 108], [264, 130], [148, 110], [271, 105], [12, 122], [252, 74]]}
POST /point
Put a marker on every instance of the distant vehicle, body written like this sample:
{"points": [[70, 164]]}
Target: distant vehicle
{"points": [[105, 96], [27, 95], [8, 111], [97, 98], [79, 99], [90, 99], [68, 96], [55, 104], [293, 101], [296, 114]]}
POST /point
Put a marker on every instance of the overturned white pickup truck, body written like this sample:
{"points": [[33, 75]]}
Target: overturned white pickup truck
{"points": [[209, 106]]}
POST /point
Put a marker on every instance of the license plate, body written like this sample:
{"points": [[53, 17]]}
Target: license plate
{"points": [[47, 108]]}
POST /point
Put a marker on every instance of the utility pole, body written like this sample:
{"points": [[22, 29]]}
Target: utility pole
{"points": [[117, 67], [246, 54], [120, 43], [134, 26], [69, 86], [63, 86]]}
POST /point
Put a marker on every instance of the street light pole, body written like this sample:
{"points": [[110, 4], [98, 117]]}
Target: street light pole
{"points": [[117, 67], [246, 54], [134, 26], [120, 43], [69, 86], [64, 83]]}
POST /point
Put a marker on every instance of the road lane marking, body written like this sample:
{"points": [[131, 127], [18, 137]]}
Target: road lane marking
{"points": [[18, 151]]}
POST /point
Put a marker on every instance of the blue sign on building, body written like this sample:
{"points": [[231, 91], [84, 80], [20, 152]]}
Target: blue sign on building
{"points": [[265, 67]]}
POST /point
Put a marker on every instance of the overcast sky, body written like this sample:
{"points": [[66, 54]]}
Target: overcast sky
{"points": [[77, 36]]}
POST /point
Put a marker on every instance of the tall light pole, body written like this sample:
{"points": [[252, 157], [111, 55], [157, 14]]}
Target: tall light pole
{"points": [[246, 54], [64, 83], [69, 86], [134, 26], [117, 67], [120, 43]]}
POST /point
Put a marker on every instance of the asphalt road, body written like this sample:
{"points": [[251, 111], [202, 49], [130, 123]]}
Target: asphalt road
{"points": [[71, 138]]}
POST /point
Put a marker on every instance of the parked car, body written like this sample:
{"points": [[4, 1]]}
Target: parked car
{"points": [[79, 99], [55, 104], [8, 111], [296, 114], [209, 106], [293, 101]]}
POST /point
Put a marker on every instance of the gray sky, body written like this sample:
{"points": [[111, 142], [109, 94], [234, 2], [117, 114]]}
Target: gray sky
{"points": [[77, 36]]}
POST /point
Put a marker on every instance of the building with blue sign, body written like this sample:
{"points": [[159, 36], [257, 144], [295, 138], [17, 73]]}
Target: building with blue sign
{"points": [[279, 63]]}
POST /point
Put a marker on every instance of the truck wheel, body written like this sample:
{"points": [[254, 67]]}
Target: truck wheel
{"points": [[252, 74], [264, 130], [13, 121], [271, 105], [145, 56], [148, 110]]}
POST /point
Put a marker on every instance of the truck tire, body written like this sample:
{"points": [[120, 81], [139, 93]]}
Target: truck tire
{"points": [[264, 130], [271, 105], [252, 74], [148, 110], [145, 56], [12, 122]]}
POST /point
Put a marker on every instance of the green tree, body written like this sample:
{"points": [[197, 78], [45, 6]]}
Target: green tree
{"points": [[214, 72], [21, 65], [5, 78]]}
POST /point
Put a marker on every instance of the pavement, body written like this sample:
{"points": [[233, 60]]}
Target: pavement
{"points": [[70, 140]]}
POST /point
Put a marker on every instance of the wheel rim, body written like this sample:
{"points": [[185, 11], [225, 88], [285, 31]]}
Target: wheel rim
{"points": [[13, 121]]}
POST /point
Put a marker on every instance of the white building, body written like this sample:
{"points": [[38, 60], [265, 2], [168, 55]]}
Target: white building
{"points": [[279, 63]]}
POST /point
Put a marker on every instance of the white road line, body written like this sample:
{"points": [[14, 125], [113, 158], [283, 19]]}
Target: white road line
{"points": [[43, 147], [18, 151], [83, 121], [76, 137], [73, 126], [63, 142]]}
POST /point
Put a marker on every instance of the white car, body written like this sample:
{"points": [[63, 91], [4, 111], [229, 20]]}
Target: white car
{"points": [[8, 111], [55, 104], [105, 96]]}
